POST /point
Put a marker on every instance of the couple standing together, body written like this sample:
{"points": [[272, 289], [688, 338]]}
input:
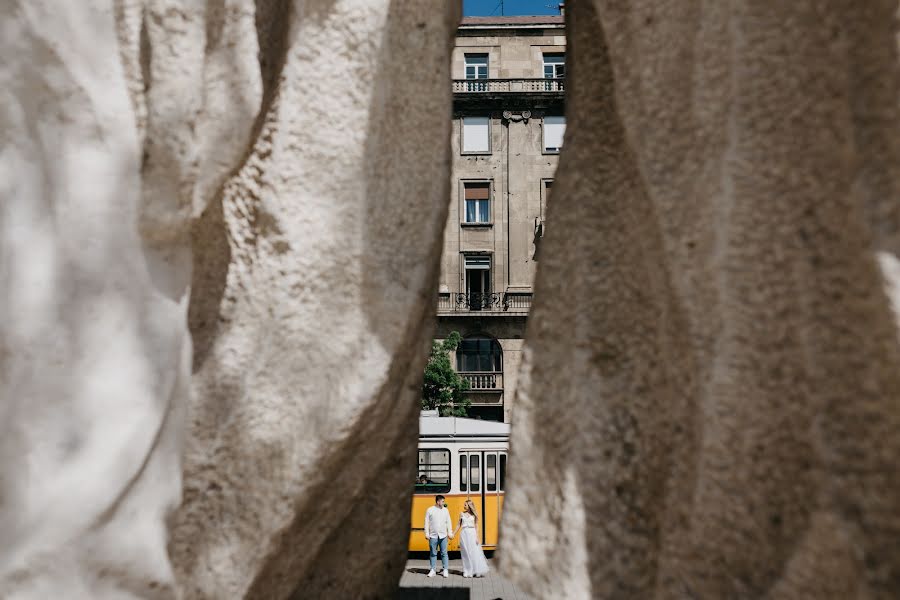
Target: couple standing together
{"points": [[439, 530]]}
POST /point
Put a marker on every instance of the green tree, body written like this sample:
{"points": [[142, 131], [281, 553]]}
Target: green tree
{"points": [[443, 388]]}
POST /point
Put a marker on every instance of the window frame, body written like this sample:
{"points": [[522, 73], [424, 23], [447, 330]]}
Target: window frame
{"points": [[462, 136], [494, 347], [477, 83], [554, 64], [544, 148], [434, 488], [489, 184], [463, 471], [487, 471], [488, 280]]}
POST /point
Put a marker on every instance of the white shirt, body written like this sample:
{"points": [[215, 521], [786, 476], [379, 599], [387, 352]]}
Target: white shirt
{"points": [[437, 522]]}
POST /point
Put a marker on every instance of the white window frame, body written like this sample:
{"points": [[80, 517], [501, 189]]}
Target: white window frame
{"points": [[489, 218], [556, 121], [462, 136], [555, 65], [480, 69]]}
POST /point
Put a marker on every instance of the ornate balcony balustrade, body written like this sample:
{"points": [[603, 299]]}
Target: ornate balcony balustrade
{"points": [[484, 381], [472, 302], [494, 86]]}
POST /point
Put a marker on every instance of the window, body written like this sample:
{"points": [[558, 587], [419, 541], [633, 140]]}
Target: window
{"points": [[463, 472], [502, 471], [476, 134], [490, 472], [554, 130], [478, 202], [434, 471], [476, 68], [474, 473], [554, 68], [478, 282], [479, 354]]}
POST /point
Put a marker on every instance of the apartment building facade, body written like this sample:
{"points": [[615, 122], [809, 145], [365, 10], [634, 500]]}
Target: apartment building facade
{"points": [[508, 126]]}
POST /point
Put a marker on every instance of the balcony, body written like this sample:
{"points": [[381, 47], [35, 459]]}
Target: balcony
{"points": [[484, 304], [508, 94], [486, 381], [494, 86]]}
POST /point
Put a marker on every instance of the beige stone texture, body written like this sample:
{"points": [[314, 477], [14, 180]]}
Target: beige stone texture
{"points": [[517, 170], [142, 138], [710, 401], [510, 54]]}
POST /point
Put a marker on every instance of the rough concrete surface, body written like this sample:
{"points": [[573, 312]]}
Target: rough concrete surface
{"points": [[724, 373]]}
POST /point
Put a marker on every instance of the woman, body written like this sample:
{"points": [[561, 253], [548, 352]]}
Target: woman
{"points": [[474, 562]]}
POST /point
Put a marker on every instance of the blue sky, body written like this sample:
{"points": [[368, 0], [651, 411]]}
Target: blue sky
{"points": [[483, 8]]}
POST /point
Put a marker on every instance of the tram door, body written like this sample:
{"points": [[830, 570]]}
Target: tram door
{"points": [[482, 478]]}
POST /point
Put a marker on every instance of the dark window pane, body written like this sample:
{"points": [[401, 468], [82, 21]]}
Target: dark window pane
{"points": [[434, 471], [490, 472], [502, 471], [474, 473], [479, 354], [463, 472]]}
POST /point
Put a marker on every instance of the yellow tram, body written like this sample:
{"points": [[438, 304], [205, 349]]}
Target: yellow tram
{"points": [[460, 459]]}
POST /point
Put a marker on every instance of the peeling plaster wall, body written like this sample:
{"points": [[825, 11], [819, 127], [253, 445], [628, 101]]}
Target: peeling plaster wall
{"points": [[725, 419]]}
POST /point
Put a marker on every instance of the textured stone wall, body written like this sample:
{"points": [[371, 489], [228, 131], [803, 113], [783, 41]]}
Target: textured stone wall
{"points": [[725, 414], [724, 372], [276, 149]]}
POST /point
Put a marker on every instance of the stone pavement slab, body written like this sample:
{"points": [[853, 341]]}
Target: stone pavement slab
{"points": [[415, 584]]}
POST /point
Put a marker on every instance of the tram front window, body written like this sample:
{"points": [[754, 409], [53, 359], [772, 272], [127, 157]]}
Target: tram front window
{"points": [[434, 471]]}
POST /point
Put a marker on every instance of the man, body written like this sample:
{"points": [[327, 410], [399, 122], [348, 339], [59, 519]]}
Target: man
{"points": [[438, 529]]}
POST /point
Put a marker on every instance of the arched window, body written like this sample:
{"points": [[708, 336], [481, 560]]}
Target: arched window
{"points": [[479, 354]]}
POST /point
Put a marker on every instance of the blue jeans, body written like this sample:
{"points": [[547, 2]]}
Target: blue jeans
{"points": [[433, 544]]}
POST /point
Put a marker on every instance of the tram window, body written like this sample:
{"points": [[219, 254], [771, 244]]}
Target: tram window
{"points": [[463, 472], [474, 474], [490, 472], [434, 471], [502, 471]]}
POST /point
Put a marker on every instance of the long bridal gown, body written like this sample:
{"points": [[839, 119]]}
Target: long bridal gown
{"points": [[474, 562]]}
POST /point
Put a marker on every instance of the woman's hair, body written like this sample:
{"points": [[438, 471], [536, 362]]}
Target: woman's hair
{"points": [[470, 507]]}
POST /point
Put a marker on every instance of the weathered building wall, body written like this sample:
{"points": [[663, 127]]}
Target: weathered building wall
{"points": [[724, 367], [517, 168]]}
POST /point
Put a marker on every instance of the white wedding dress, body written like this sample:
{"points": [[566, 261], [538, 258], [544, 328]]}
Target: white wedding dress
{"points": [[474, 562]]}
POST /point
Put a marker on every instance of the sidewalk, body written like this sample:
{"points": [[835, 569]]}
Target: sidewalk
{"points": [[416, 585]]}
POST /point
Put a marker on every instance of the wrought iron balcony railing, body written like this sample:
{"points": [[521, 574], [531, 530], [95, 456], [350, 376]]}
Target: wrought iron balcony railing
{"points": [[466, 86], [481, 302]]}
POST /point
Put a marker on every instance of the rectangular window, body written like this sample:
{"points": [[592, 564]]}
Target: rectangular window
{"points": [[476, 68], [555, 69], [478, 202], [490, 472], [434, 472], [463, 472], [476, 134], [478, 281], [479, 354], [554, 130], [502, 471], [474, 473]]}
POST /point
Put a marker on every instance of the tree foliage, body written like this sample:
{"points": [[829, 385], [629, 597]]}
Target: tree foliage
{"points": [[443, 388]]}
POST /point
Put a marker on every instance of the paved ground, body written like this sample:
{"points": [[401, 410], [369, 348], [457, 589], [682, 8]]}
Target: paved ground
{"points": [[415, 585]]}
